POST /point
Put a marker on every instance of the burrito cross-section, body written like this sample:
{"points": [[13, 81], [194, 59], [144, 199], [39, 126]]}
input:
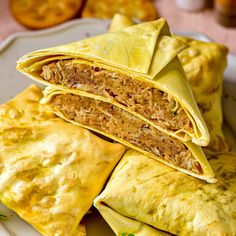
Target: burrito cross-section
{"points": [[124, 127], [136, 68]]}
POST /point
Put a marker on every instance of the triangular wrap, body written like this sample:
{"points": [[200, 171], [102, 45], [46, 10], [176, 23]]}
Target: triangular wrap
{"points": [[207, 174], [145, 52], [125, 225]]}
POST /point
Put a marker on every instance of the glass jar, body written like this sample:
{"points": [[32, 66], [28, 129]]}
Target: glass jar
{"points": [[226, 12]]}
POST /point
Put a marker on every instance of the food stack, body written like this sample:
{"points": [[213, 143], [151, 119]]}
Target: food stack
{"points": [[130, 86], [127, 85]]}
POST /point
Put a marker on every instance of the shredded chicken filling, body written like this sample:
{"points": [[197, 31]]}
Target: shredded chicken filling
{"points": [[113, 120], [155, 105]]}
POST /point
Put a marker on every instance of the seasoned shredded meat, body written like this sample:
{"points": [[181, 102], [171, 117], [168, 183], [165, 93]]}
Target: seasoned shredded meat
{"points": [[111, 119], [138, 96]]}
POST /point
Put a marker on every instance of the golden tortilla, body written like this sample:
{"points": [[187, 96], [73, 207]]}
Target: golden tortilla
{"points": [[51, 170], [143, 192]]}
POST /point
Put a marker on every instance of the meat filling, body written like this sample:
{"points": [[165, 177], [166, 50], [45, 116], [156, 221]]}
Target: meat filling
{"points": [[138, 96], [111, 119]]}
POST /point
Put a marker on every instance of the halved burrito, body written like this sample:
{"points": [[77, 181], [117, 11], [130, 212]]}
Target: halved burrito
{"points": [[136, 69], [124, 127], [51, 170], [204, 64], [143, 196]]}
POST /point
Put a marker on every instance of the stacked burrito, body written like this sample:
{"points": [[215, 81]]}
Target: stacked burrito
{"points": [[129, 85]]}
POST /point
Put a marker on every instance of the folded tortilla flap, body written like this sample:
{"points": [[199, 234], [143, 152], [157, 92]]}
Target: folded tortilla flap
{"points": [[169, 200], [122, 225], [51, 170], [134, 49], [204, 64], [197, 156], [119, 22], [182, 91]]}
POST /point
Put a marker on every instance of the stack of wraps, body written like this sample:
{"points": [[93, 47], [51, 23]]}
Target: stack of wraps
{"points": [[127, 85]]}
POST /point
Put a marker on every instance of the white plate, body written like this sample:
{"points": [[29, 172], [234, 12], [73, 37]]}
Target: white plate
{"points": [[12, 82]]}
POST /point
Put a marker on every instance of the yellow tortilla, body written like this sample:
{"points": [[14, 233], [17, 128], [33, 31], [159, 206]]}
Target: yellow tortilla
{"points": [[120, 22], [145, 52], [197, 153], [204, 64], [143, 192], [51, 170]]}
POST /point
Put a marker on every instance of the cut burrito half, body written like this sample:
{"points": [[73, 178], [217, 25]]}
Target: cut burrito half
{"points": [[204, 64], [136, 69], [143, 196], [124, 127], [51, 170]]}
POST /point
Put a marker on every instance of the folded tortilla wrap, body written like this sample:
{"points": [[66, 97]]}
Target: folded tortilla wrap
{"points": [[136, 68], [51, 170], [122, 126], [204, 64], [143, 192]]}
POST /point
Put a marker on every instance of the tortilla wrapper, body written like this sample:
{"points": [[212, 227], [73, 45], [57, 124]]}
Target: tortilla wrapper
{"points": [[51, 170], [146, 191], [120, 22], [146, 53], [204, 64], [50, 101]]}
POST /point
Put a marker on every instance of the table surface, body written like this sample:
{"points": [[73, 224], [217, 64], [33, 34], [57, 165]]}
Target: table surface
{"points": [[201, 22]]}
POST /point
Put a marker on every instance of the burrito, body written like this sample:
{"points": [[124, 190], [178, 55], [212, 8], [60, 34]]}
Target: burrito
{"points": [[143, 196], [124, 127], [51, 170], [136, 68], [204, 64]]}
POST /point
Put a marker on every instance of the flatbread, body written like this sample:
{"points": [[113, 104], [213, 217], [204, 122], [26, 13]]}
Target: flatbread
{"points": [[50, 170], [142, 193], [141, 9]]}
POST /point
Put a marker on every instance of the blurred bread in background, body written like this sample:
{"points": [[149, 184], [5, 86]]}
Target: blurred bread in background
{"points": [[141, 9], [38, 14]]}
